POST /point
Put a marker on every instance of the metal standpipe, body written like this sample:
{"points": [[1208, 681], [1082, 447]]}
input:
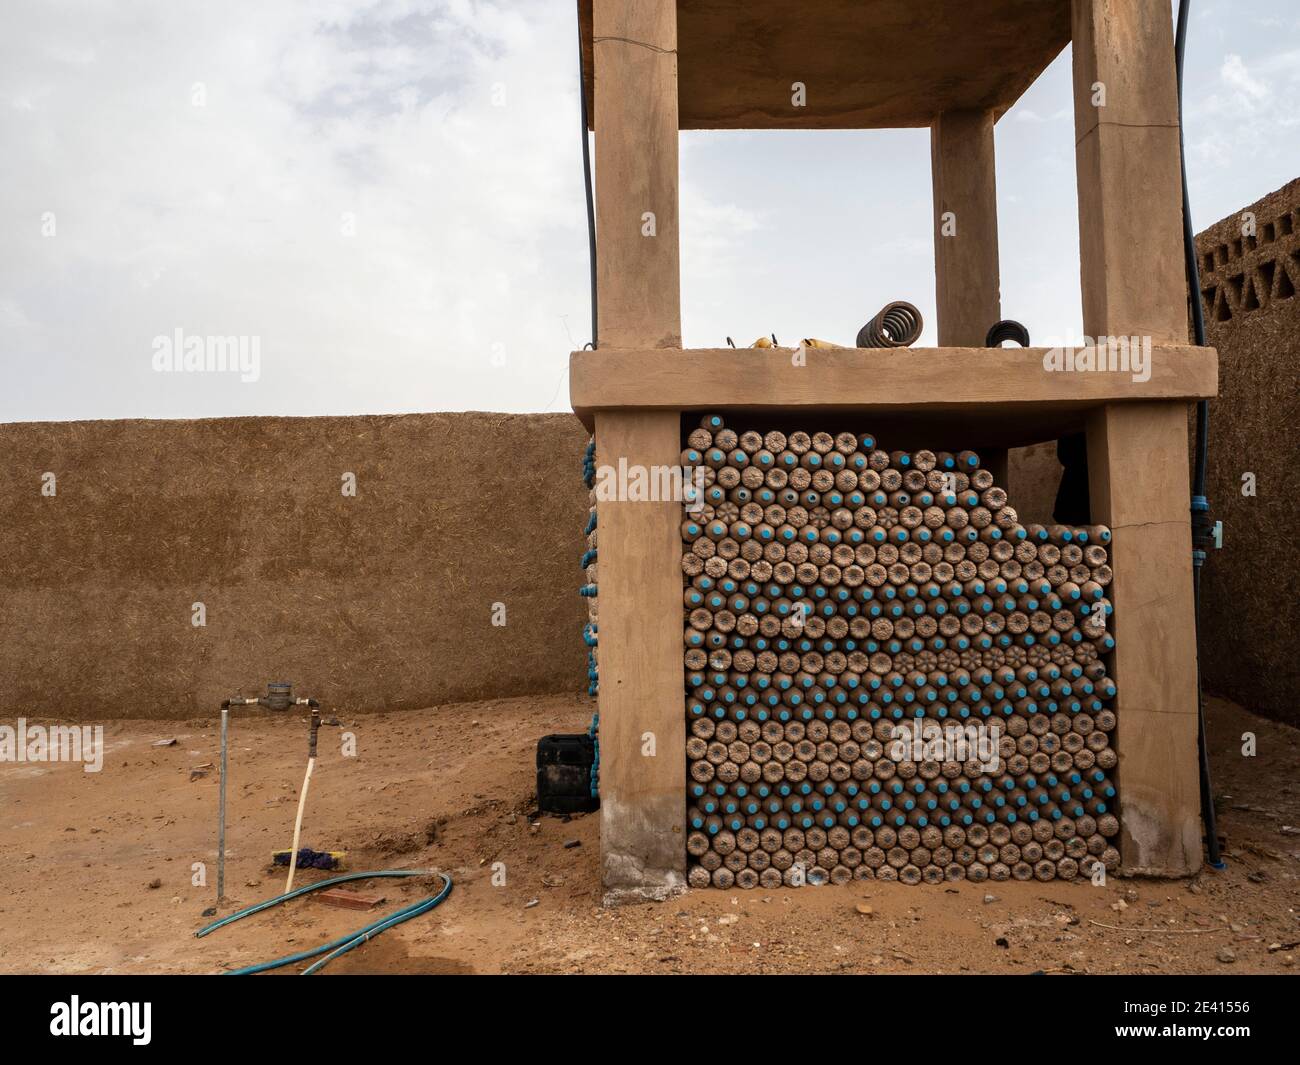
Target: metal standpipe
{"points": [[221, 794], [221, 807], [279, 696]]}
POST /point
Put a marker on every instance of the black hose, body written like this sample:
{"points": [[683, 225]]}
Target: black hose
{"points": [[1193, 266], [1007, 329], [1200, 506], [586, 178]]}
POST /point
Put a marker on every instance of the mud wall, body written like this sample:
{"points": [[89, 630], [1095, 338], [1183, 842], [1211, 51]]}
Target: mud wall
{"points": [[1250, 612], [1034, 474], [379, 600]]}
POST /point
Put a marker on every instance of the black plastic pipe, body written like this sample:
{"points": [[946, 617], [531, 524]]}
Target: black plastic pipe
{"points": [[586, 178], [1201, 530]]}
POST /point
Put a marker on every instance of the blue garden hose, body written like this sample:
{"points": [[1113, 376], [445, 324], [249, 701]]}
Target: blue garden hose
{"points": [[594, 732], [345, 943], [588, 591]]}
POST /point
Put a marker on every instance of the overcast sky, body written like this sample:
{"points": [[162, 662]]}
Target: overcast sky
{"points": [[388, 196]]}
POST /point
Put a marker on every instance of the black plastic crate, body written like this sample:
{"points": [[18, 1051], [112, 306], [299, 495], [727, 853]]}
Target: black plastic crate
{"points": [[564, 773]]}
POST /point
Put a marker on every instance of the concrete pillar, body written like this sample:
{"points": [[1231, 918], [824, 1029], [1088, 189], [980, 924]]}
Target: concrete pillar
{"points": [[1133, 284], [642, 700], [967, 282]]}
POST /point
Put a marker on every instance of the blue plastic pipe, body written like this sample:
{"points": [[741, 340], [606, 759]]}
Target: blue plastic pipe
{"points": [[342, 945]]}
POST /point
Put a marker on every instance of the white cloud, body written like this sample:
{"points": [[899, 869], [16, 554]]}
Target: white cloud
{"points": [[227, 218], [1247, 89]]}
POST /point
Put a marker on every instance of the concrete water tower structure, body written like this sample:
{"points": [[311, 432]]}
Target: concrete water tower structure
{"points": [[655, 67]]}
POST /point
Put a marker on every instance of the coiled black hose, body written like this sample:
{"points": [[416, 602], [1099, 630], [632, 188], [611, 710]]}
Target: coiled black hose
{"points": [[896, 326], [1007, 329]]}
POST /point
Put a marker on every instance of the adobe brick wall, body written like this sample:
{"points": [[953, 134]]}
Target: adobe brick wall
{"points": [[1250, 614], [382, 601]]}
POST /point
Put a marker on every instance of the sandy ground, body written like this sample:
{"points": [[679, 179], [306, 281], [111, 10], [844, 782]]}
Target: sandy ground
{"points": [[97, 867]]}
